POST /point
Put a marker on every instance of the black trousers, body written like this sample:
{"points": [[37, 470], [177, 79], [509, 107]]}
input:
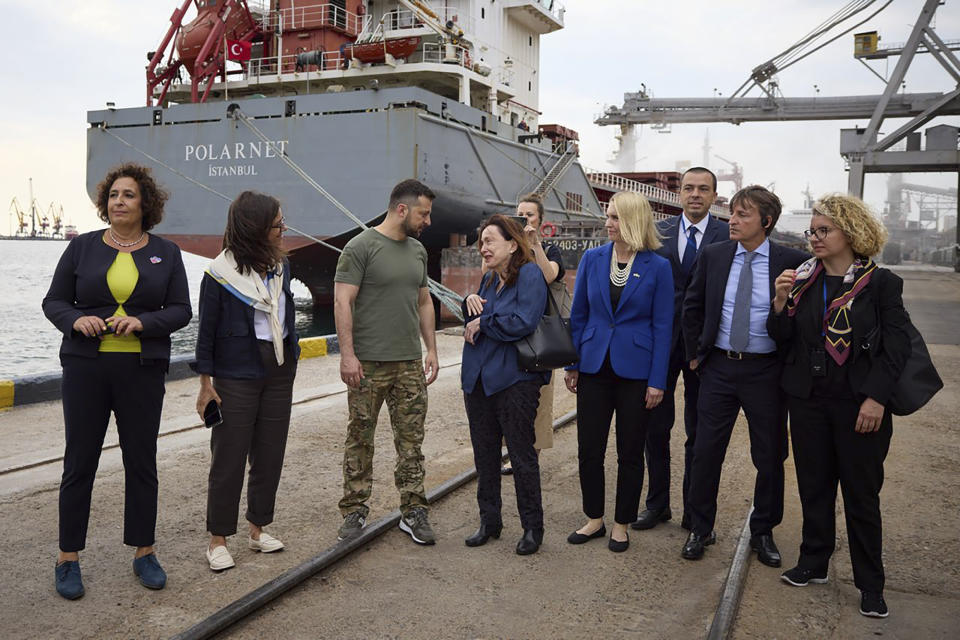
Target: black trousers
{"points": [[92, 388], [658, 432], [725, 386], [599, 396], [507, 414], [827, 450], [256, 419]]}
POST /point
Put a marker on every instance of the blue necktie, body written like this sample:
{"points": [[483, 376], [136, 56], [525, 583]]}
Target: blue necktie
{"points": [[690, 252], [740, 325]]}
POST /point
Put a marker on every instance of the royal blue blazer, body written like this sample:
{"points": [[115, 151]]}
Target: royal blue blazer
{"points": [[508, 315], [637, 333]]}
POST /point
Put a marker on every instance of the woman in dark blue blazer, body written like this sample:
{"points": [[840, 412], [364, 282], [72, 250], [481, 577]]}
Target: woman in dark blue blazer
{"points": [[500, 398], [247, 352], [117, 295], [621, 322]]}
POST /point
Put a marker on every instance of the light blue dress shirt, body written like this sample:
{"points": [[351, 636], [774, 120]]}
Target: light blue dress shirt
{"points": [[759, 342]]}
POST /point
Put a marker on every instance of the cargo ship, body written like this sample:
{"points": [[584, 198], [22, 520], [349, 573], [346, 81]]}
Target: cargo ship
{"points": [[327, 105]]}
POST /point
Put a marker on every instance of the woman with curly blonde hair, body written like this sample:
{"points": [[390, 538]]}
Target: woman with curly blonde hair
{"points": [[827, 318]]}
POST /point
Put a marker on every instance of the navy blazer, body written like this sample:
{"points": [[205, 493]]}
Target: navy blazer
{"points": [[879, 303], [703, 302], [226, 339], [636, 334], [717, 231], [160, 300], [508, 315]]}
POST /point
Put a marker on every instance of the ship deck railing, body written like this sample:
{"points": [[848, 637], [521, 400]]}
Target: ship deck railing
{"points": [[256, 70], [315, 15], [400, 21], [614, 182]]}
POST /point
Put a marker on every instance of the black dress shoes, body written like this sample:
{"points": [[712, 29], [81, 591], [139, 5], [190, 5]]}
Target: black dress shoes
{"points": [[530, 542], [580, 538], [649, 519], [695, 545], [618, 546], [766, 549], [482, 535]]}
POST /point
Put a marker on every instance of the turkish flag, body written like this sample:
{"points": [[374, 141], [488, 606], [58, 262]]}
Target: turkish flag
{"points": [[238, 50]]}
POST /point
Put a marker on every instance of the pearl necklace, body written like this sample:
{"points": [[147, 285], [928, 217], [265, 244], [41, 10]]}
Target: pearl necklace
{"points": [[117, 242], [618, 276]]}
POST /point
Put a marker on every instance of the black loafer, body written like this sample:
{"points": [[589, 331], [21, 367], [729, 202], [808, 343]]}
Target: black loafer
{"points": [[483, 535], [506, 471], [648, 519], [530, 542], [580, 538], [766, 549], [695, 545], [617, 546]]}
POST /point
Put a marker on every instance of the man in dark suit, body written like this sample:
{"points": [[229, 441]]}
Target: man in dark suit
{"points": [[724, 329], [684, 237]]}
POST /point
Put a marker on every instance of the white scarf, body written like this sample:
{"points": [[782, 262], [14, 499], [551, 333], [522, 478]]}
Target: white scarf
{"points": [[250, 289]]}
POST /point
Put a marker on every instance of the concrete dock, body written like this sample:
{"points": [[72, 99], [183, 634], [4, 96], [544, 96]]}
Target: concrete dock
{"points": [[395, 589]]}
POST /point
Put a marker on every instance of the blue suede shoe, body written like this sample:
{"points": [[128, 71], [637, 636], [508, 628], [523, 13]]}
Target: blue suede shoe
{"points": [[151, 574], [67, 579]]}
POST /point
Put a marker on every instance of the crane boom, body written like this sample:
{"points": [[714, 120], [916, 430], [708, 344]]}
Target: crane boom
{"points": [[641, 109]]}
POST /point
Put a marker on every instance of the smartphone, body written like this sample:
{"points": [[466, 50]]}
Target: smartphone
{"points": [[211, 415], [520, 220]]}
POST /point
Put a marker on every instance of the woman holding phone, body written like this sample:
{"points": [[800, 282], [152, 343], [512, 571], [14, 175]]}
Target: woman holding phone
{"points": [[247, 352]]}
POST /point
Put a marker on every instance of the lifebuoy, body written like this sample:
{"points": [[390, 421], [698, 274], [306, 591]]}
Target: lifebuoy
{"points": [[548, 227]]}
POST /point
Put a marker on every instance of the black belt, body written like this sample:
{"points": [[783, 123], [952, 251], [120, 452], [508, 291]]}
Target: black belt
{"points": [[743, 355]]}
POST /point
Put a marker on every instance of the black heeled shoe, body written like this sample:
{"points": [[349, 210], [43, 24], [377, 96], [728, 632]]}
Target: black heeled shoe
{"points": [[483, 535], [530, 542]]}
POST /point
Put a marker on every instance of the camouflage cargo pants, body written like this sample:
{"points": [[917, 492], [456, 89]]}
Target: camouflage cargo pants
{"points": [[404, 387]]}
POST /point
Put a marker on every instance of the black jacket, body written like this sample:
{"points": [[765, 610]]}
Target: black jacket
{"points": [[717, 231], [703, 302], [226, 339], [879, 303], [161, 299]]}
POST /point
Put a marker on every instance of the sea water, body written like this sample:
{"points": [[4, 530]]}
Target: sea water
{"points": [[30, 344]]}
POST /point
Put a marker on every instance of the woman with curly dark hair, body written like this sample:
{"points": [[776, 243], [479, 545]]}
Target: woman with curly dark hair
{"points": [[247, 352], [500, 397], [117, 295]]}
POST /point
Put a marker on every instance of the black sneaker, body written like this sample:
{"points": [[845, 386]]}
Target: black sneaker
{"points": [[352, 524], [415, 523], [800, 577], [872, 604]]}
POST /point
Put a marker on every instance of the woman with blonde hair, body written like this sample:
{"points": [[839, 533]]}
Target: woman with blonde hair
{"points": [[621, 323], [828, 316]]}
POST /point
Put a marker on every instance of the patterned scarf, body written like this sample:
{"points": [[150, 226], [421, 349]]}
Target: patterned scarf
{"points": [[837, 332]]}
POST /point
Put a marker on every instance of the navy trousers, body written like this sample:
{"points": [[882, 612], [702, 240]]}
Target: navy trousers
{"points": [[726, 386], [93, 388], [507, 415], [658, 433]]}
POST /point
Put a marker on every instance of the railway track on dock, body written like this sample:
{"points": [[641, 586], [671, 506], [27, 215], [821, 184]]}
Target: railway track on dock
{"points": [[257, 599]]}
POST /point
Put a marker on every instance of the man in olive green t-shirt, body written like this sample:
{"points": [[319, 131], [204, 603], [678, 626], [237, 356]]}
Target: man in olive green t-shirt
{"points": [[381, 307]]}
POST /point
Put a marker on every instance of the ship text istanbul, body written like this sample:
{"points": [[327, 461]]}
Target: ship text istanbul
{"points": [[235, 151]]}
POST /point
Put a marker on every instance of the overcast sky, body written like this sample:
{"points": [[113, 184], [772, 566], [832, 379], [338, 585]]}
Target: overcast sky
{"points": [[74, 56]]}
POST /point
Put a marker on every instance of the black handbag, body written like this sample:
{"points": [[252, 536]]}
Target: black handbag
{"points": [[550, 346], [919, 380]]}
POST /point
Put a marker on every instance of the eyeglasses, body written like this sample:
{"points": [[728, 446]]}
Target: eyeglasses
{"points": [[282, 225], [820, 233]]}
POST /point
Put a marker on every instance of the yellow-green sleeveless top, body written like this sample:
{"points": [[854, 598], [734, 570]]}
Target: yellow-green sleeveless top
{"points": [[122, 277]]}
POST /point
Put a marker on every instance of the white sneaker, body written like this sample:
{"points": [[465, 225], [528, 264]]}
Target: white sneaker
{"points": [[266, 544], [219, 558]]}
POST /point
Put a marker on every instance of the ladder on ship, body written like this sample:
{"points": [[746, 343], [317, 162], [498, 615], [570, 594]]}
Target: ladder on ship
{"points": [[564, 162]]}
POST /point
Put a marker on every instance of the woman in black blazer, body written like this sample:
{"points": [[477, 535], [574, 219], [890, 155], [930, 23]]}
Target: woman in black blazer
{"points": [[247, 352], [117, 295], [826, 314]]}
